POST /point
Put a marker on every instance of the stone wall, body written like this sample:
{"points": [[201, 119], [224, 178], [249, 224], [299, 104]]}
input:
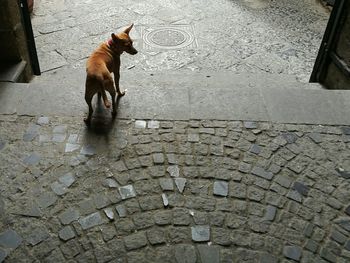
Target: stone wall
{"points": [[12, 36]]}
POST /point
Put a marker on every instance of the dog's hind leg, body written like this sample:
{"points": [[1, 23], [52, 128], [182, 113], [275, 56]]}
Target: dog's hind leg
{"points": [[109, 86], [91, 88], [105, 99], [88, 99]]}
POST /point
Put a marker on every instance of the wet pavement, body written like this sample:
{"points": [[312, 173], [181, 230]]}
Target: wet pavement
{"points": [[156, 185], [256, 36]]}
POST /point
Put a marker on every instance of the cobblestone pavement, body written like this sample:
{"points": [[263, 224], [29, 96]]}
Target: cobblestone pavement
{"points": [[171, 191], [241, 36]]}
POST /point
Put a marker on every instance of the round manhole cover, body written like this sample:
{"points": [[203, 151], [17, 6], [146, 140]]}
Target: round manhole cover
{"points": [[169, 38]]}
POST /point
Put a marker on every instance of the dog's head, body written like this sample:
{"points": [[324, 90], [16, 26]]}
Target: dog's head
{"points": [[122, 42]]}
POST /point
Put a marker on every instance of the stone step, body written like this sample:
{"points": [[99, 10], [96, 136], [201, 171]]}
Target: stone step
{"points": [[221, 79], [12, 72], [175, 96]]}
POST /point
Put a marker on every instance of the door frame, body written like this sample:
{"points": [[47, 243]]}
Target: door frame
{"points": [[25, 15], [327, 54]]}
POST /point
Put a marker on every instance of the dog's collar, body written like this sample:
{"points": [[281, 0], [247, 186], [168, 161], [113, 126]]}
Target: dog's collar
{"points": [[109, 42]]}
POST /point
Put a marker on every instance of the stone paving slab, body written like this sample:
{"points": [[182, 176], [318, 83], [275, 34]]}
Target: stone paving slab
{"points": [[10, 94], [255, 36], [157, 102], [222, 103], [316, 106], [289, 200]]}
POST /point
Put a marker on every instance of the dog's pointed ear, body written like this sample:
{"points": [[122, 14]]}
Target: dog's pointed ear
{"points": [[114, 37], [127, 30]]}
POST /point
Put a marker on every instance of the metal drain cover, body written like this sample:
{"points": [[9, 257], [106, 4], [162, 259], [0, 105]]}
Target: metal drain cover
{"points": [[168, 37]]}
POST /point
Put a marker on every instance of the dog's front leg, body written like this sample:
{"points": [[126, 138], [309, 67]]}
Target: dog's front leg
{"points": [[116, 74], [114, 109], [116, 81]]}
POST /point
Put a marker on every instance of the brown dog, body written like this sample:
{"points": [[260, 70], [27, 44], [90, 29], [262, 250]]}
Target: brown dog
{"points": [[102, 62]]}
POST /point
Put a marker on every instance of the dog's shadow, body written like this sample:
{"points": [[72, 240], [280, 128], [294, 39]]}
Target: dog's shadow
{"points": [[102, 121]]}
